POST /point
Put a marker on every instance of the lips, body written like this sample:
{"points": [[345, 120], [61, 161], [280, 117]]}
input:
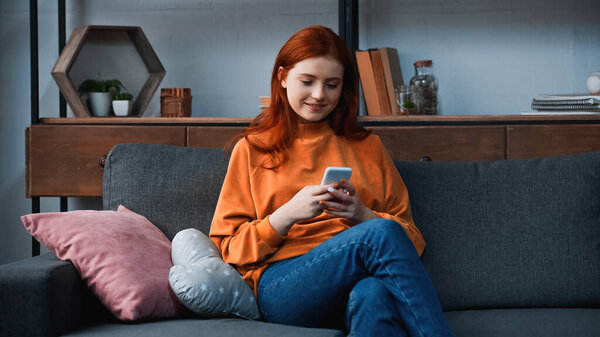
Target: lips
{"points": [[315, 107]]}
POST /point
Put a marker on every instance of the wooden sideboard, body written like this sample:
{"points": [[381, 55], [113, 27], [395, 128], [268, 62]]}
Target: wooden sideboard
{"points": [[63, 155]]}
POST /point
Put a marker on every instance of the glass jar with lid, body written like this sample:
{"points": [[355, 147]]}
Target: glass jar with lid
{"points": [[427, 88]]}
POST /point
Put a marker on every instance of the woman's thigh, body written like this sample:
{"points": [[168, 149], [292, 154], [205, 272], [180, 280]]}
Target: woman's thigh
{"points": [[312, 289]]}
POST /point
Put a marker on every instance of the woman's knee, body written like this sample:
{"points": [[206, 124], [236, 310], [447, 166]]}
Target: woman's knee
{"points": [[383, 236], [381, 228]]}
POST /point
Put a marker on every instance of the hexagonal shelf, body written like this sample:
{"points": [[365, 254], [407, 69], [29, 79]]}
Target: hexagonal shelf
{"points": [[108, 52]]}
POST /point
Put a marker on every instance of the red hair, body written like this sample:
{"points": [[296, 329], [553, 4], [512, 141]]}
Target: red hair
{"points": [[279, 119]]}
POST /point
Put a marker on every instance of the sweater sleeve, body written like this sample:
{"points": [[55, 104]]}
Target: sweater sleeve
{"points": [[241, 237], [397, 201]]}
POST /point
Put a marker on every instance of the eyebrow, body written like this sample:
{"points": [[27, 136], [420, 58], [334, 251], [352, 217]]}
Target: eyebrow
{"points": [[327, 79]]}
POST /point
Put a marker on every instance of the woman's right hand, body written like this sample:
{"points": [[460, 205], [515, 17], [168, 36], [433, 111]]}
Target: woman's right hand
{"points": [[304, 205]]}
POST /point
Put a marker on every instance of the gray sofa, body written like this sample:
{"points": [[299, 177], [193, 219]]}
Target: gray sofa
{"points": [[513, 247]]}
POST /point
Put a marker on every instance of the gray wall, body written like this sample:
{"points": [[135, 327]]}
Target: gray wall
{"points": [[490, 58]]}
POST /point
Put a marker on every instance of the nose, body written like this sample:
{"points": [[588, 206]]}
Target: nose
{"points": [[318, 92]]}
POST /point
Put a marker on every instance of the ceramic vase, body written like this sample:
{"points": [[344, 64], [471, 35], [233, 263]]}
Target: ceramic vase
{"points": [[100, 103], [593, 83], [121, 107]]}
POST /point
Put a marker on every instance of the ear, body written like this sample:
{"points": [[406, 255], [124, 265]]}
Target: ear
{"points": [[282, 77]]}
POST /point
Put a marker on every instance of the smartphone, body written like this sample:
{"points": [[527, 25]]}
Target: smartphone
{"points": [[335, 174]]}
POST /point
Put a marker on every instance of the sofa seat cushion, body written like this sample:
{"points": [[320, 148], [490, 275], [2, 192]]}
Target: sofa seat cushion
{"points": [[548, 322], [221, 327]]}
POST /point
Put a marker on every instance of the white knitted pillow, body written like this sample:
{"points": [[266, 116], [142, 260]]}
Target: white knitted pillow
{"points": [[204, 283]]}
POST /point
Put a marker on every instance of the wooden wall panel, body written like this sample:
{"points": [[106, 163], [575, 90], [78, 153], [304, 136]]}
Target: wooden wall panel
{"points": [[528, 141], [63, 160], [444, 143]]}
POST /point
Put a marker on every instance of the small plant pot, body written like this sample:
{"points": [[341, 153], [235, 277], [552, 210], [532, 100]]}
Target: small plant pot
{"points": [[100, 103], [121, 107]]}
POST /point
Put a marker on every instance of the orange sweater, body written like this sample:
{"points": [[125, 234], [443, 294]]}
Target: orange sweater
{"points": [[241, 228]]}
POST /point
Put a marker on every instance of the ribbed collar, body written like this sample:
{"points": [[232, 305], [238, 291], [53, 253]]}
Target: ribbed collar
{"points": [[311, 130]]}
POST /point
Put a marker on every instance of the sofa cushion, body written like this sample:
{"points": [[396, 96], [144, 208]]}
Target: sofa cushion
{"points": [[174, 187], [204, 283], [218, 327], [121, 256], [512, 233], [556, 322]]}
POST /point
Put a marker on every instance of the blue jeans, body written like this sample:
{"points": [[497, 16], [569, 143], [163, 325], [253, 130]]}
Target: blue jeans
{"points": [[367, 280]]}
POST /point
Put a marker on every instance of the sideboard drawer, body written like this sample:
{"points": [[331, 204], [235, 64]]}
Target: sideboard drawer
{"points": [[527, 141], [212, 136], [64, 160], [444, 143]]}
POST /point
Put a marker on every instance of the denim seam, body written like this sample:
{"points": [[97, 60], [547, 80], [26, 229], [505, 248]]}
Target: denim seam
{"points": [[351, 310], [313, 261]]}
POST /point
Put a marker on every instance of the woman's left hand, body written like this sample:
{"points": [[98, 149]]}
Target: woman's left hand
{"points": [[347, 204]]}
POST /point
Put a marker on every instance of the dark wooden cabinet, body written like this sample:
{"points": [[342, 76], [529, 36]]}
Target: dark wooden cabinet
{"points": [[444, 143], [526, 141], [64, 160], [63, 154], [211, 136]]}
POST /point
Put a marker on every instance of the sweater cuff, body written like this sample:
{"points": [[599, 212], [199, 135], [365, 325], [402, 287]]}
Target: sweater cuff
{"points": [[268, 234]]}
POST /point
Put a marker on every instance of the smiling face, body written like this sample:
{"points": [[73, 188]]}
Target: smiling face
{"points": [[313, 87]]}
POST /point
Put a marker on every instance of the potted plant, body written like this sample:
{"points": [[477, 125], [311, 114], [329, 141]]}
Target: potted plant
{"points": [[100, 94], [122, 103]]}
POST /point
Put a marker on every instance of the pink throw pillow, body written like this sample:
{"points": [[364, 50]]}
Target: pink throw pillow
{"points": [[123, 258]]}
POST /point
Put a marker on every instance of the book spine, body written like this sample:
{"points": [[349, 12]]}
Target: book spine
{"points": [[583, 107], [567, 101], [382, 93], [387, 60], [367, 80]]}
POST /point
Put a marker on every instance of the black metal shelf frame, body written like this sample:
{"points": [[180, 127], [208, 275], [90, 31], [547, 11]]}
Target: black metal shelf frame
{"points": [[348, 31]]}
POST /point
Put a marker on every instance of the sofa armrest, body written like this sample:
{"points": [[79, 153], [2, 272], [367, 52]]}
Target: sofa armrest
{"points": [[43, 296]]}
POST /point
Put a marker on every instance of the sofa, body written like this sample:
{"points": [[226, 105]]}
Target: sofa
{"points": [[513, 246]]}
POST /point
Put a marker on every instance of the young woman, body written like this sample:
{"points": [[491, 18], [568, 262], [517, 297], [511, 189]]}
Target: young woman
{"points": [[344, 255]]}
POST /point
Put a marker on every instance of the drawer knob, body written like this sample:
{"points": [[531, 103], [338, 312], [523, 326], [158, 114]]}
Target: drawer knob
{"points": [[102, 161], [425, 158]]}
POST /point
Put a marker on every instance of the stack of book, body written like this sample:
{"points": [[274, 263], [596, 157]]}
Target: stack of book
{"points": [[566, 103], [380, 74]]}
